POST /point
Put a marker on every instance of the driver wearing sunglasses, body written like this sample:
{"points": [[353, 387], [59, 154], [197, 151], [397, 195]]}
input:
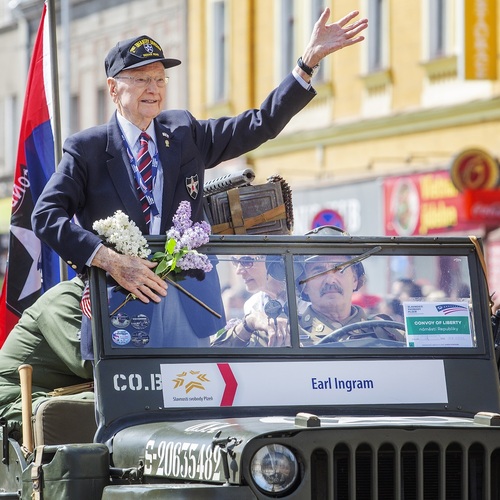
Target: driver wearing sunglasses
{"points": [[264, 323]]}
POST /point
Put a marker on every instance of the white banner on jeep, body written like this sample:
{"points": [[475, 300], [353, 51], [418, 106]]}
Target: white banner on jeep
{"points": [[304, 383]]}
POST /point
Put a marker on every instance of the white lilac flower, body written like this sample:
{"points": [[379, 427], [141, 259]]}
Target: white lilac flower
{"points": [[123, 234], [126, 238]]}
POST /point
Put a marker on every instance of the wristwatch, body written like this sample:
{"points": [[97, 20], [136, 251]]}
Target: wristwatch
{"points": [[307, 69]]}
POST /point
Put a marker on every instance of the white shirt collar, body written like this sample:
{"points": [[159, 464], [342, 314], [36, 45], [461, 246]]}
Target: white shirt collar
{"points": [[132, 132]]}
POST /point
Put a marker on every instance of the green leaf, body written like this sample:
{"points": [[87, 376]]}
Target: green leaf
{"points": [[161, 267], [170, 246], [158, 256]]}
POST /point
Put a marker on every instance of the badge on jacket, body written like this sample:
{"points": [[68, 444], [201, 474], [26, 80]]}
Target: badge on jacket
{"points": [[192, 186]]}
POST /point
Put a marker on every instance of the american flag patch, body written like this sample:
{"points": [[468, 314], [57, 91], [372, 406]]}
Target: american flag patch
{"points": [[85, 302]]}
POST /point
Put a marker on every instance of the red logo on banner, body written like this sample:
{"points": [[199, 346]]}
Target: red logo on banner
{"points": [[231, 384]]}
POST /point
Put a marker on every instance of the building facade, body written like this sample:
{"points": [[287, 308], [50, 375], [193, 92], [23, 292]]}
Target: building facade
{"points": [[86, 30], [393, 111]]}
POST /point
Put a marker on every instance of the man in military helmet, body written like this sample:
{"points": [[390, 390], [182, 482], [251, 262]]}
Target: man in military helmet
{"points": [[329, 282]]}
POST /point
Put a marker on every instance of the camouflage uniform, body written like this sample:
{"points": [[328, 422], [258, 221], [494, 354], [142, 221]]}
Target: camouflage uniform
{"points": [[228, 338], [314, 326], [48, 338]]}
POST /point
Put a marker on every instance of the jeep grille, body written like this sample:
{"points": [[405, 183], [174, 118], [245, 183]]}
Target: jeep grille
{"points": [[409, 464]]}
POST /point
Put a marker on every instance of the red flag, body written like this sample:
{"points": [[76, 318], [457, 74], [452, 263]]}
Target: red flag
{"points": [[32, 267]]}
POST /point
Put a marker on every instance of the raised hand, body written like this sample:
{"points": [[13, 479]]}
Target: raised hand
{"points": [[328, 38]]}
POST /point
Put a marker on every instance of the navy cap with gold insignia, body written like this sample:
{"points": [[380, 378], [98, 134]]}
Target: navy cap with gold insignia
{"points": [[134, 53]]}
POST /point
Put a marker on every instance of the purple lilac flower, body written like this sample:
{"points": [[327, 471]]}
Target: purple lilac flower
{"points": [[182, 218], [194, 237], [173, 233], [188, 236], [195, 260]]}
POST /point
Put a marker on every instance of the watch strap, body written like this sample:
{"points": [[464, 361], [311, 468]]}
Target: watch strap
{"points": [[304, 67]]}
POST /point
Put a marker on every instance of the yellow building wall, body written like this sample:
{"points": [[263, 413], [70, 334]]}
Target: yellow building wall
{"points": [[345, 69], [263, 46], [357, 139], [406, 26], [197, 56]]}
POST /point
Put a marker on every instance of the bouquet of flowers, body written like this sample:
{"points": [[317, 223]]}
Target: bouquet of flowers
{"points": [[180, 248], [180, 254]]}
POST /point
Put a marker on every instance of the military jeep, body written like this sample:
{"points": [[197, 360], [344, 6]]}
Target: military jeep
{"points": [[402, 404]]}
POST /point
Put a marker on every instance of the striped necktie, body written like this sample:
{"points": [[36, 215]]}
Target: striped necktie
{"points": [[144, 165]]}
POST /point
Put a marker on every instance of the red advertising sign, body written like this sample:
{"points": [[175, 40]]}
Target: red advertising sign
{"points": [[483, 205], [423, 204]]}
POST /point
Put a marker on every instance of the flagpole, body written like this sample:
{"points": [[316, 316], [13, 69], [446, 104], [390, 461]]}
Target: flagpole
{"points": [[56, 109]]}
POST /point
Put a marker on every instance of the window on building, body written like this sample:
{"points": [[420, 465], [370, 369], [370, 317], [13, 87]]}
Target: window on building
{"points": [[376, 35], [437, 28], [287, 37], [74, 118], [102, 105], [317, 8], [219, 51]]}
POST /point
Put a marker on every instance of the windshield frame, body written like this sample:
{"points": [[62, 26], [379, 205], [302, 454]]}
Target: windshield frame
{"points": [[290, 247]]}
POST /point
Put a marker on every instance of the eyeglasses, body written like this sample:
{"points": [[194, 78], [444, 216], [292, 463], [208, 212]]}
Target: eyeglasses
{"points": [[144, 81], [246, 261]]}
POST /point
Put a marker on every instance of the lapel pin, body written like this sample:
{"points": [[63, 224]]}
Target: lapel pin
{"points": [[167, 142]]}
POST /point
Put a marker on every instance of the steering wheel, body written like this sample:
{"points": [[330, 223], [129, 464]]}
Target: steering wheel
{"points": [[360, 325]]}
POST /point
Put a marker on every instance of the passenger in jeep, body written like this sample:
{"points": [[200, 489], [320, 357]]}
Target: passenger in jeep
{"points": [[329, 288], [265, 323]]}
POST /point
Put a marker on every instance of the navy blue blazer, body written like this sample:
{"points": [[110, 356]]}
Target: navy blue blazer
{"points": [[94, 178]]}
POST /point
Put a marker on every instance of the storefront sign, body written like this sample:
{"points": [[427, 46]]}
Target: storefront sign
{"points": [[483, 205], [423, 204], [474, 169], [493, 261], [480, 55]]}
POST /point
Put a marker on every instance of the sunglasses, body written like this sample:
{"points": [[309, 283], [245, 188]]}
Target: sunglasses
{"points": [[245, 261]]}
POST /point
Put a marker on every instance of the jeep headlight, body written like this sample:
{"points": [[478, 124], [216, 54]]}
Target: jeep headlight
{"points": [[274, 468]]}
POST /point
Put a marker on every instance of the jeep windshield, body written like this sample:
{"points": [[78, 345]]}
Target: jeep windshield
{"points": [[351, 294]]}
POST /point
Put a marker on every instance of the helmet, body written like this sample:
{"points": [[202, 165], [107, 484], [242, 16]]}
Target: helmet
{"points": [[275, 266], [357, 268], [337, 231], [327, 231]]}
